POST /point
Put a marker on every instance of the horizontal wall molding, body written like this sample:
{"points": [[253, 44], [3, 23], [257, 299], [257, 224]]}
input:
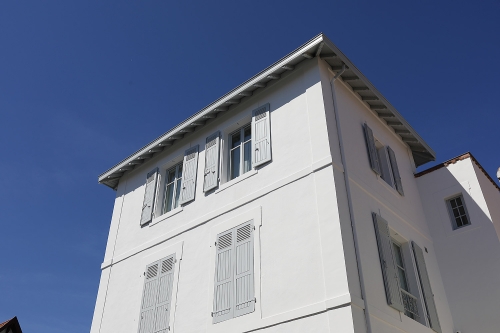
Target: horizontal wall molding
{"points": [[314, 167]]}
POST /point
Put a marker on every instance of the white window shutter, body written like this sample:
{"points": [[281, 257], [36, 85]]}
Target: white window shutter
{"points": [[389, 271], [372, 149], [261, 132], [149, 197], [244, 274], [163, 304], [223, 308], [426, 288], [189, 171], [395, 171], [149, 296], [211, 162]]}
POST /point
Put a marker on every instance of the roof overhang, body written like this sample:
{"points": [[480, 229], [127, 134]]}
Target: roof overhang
{"points": [[320, 46]]}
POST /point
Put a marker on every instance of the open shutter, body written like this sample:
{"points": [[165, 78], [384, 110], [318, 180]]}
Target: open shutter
{"points": [[395, 171], [189, 171], [261, 131], [211, 162], [389, 270], [372, 150], [224, 277], [149, 197], [149, 296], [163, 304], [244, 282], [426, 288]]}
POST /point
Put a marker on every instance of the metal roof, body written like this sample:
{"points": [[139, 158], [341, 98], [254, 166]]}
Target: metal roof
{"points": [[319, 46]]}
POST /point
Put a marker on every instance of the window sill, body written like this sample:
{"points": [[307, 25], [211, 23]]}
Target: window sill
{"points": [[236, 180], [166, 215]]}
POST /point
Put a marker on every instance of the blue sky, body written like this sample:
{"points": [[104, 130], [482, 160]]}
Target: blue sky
{"points": [[85, 83]]}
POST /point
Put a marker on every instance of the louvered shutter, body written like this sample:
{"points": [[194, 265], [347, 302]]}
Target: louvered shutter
{"points": [[223, 308], [395, 171], [149, 197], [372, 149], [389, 270], [211, 162], [261, 131], [163, 302], [244, 277], [149, 296], [189, 170], [426, 288]]}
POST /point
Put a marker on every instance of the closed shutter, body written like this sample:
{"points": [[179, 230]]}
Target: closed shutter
{"points": [[149, 296], [163, 304], [261, 131], [189, 170], [211, 162], [372, 150], [395, 171], [224, 278], [244, 282], [389, 270], [149, 197], [426, 288]]}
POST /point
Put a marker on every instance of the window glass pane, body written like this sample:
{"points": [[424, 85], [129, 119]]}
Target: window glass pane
{"points": [[402, 279], [455, 212], [453, 203], [179, 171], [169, 192], [248, 133], [247, 156], [458, 201], [177, 192], [397, 254], [458, 221], [235, 163], [465, 220], [236, 139], [462, 210]]}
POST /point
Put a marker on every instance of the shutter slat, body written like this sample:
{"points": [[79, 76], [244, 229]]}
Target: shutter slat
{"points": [[426, 288], [395, 171], [189, 173], [245, 300], [223, 292], [372, 149], [149, 197], [211, 162], [389, 270], [261, 131]]}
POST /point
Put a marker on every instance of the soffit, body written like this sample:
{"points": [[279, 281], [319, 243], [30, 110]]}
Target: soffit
{"points": [[319, 46]]}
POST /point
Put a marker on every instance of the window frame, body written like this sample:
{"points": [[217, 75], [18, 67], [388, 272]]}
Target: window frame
{"points": [[241, 147], [402, 291], [176, 186], [454, 224]]}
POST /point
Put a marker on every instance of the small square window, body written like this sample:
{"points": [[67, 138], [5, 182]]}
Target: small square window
{"points": [[458, 212]]}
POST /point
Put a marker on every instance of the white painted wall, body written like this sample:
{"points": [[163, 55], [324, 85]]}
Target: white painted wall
{"points": [[372, 194], [469, 257], [299, 254]]}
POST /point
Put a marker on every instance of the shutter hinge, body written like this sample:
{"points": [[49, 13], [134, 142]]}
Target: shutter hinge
{"points": [[255, 299], [215, 243], [211, 314]]}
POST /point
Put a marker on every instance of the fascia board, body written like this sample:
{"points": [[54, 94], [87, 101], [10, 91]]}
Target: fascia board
{"points": [[247, 84]]}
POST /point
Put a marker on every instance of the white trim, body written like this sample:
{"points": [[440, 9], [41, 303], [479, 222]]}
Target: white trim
{"points": [[166, 215], [236, 180]]}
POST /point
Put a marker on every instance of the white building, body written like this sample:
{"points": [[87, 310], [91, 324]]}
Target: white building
{"points": [[291, 204]]}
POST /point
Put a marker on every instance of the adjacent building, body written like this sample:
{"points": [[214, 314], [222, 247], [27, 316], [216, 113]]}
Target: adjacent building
{"points": [[292, 204]]}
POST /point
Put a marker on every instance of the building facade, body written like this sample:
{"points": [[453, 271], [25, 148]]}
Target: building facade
{"points": [[291, 204]]}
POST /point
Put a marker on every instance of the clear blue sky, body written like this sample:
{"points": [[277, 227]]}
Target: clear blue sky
{"points": [[85, 83]]}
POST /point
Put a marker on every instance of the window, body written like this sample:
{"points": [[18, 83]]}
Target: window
{"points": [[240, 153], [173, 180], [401, 281], [383, 160], [409, 301], [458, 212], [234, 273], [157, 295]]}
